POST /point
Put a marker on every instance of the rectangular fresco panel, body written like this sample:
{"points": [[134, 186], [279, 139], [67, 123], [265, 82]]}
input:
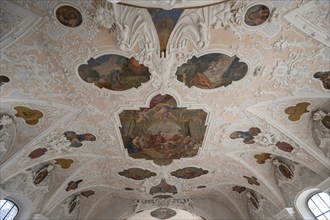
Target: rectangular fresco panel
{"points": [[162, 132]]}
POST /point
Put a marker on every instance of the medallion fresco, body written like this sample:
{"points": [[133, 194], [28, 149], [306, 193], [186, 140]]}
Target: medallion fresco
{"points": [[72, 185], [256, 15], [114, 72], [324, 77], [261, 158], [239, 189], [163, 213], [189, 172], [68, 16], [211, 71], [3, 80], [164, 21], [162, 132], [295, 112], [77, 139], [247, 136], [284, 146], [30, 116], [137, 174], [252, 180]]}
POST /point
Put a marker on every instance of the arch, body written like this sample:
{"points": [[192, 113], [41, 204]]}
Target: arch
{"points": [[8, 209], [319, 205], [301, 200], [23, 204]]}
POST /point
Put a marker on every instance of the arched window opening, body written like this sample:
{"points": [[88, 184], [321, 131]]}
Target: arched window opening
{"points": [[319, 204], [8, 210]]}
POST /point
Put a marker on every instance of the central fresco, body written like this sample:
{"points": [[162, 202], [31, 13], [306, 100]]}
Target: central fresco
{"points": [[162, 132]]}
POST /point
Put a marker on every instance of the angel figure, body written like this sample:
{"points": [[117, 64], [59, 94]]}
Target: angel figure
{"points": [[122, 36]]}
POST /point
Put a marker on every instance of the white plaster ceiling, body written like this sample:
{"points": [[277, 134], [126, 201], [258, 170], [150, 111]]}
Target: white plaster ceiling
{"points": [[40, 56]]}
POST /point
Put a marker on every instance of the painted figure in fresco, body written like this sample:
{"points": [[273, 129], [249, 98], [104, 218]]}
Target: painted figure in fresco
{"points": [[163, 131], [248, 136], [201, 80], [42, 174], [76, 139], [324, 77], [257, 15]]}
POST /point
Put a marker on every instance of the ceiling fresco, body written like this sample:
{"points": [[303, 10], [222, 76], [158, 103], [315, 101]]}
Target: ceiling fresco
{"points": [[115, 108], [114, 72], [163, 213], [211, 71], [189, 172], [164, 21], [324, 77], [162, 132], [30, 116], [295, 112], [137, 173], [69, 16]]}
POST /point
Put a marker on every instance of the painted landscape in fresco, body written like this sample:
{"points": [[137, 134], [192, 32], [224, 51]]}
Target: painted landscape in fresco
{"points": [[114, 72], [162, 132], [211, 71], [164, 21]]}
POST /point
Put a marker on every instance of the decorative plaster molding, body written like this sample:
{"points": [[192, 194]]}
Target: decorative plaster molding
{"points": [[15, 21], [313, 19]]}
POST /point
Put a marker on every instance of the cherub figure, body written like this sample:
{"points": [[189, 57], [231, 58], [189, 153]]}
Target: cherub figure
{"points": [[122, 36]]}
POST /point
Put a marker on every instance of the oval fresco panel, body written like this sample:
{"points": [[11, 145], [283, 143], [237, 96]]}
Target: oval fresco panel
{"points": [[189, 172], [162, 132], [69, 16], [114, 72], [163, 213], [137, 173], [256, 15], [211, 71]]}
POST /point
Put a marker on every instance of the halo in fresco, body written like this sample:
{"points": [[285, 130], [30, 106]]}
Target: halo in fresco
{"points": [[114, 72], [69, 16], [162, 132], [211, 71], [256, 15]]}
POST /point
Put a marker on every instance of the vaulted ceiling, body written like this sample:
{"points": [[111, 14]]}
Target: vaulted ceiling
{"points": [[140, 105]]}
